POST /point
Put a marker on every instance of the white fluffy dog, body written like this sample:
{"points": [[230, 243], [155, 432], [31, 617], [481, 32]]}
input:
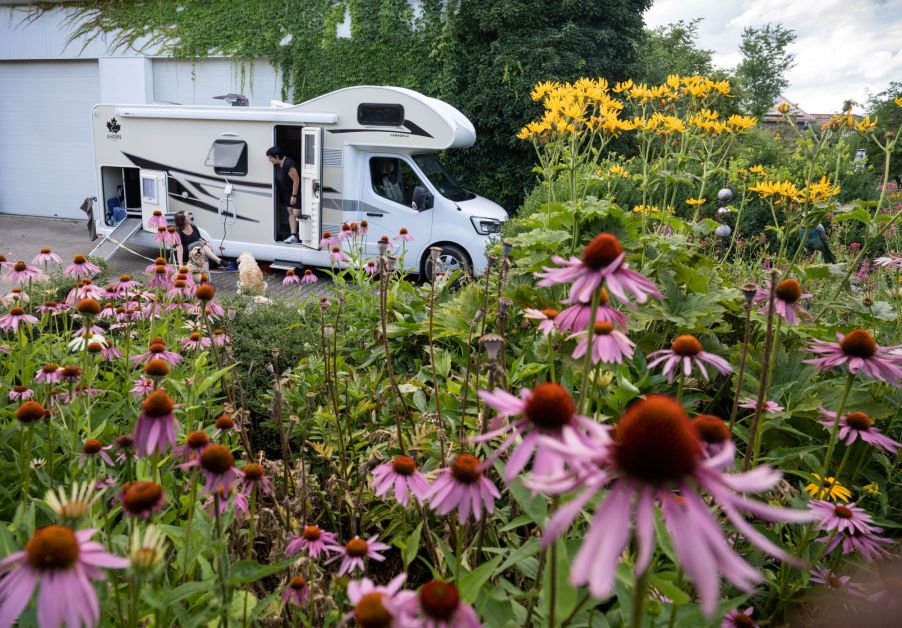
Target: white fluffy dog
{"points": [[250, 277]]}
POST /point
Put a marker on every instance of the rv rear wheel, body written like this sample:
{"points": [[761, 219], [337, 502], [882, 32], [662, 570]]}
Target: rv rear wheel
{"points": [[451, 259]]}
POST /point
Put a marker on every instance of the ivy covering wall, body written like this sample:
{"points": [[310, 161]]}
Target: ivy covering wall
{"points": [[482, 56]]}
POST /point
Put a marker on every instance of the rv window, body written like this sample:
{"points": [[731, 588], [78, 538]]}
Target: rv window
{"points": [[395, 180], [149, 189], [228, 157], [309, 152], [380, 115]]}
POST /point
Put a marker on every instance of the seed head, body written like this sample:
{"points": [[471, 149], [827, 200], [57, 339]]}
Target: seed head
{"points": [[53, 548], [92, 446], [404, 465], [465, 469], [205, 292], [711, 429], [253, 471], [858, 344], [139, 497], [602, 251], [217, 459], [158, 404], [439, 599], [789, 290], [859, 421], [30, 412], [88, 306], [356, 547], [686, 345]]}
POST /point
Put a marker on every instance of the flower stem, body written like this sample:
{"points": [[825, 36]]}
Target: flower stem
{"points": [[639, 599], [752, 445], [834, 431], [252, 521], [25, 461], [587, 362], [191, 503], [742, 360]]}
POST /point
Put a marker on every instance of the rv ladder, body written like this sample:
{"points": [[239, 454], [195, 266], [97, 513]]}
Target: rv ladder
{"points": [[111, 243]]}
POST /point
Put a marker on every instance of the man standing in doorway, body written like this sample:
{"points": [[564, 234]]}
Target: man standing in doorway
{"points": [[288, 182]]}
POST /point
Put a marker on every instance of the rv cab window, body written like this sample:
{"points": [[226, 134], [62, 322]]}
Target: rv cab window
{"points": [[228, 157], [394, 179]]}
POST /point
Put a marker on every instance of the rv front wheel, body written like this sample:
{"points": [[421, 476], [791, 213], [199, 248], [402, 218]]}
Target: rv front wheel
{"points": [[451, 259]]}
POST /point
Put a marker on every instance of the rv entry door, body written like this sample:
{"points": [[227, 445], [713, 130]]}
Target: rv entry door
{"points": [[154, 195], [311, 186]]}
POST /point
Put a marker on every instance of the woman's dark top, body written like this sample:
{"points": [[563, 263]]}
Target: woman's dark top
{"points": [[284, 181], [187, 240]]}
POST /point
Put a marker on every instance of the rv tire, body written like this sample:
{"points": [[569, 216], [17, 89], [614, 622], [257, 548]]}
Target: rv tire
{"points": [[452, 258]]}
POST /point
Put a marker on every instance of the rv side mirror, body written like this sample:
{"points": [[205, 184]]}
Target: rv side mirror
{"points": [[430, 200]]}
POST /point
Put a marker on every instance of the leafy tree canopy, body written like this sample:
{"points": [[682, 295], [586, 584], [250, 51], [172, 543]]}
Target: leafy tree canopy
{"points": [[765, 62], [672, 49]]}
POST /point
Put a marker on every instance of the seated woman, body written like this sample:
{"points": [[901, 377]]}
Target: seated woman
{"points": [[189, 238]]}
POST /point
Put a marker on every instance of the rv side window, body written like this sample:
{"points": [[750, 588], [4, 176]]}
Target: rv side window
{"points": [[375, 114], [228, 157], [394, 179]]}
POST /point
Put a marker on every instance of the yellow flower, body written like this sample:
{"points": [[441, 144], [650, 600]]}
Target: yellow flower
{"points": [[872, 488], [623, 86], [741, 123], [866, 124], [646, 209], [898, 101], [673, 124], [695, 201], [785, 190], [828, 488], [722, 86], [758, 169], [783, 108], [524, 134], [820, 191], [543, 89], [673, 81], [619, 171]]}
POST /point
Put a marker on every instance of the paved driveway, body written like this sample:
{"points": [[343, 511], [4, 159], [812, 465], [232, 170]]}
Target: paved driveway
{"points": [[21, 238]]}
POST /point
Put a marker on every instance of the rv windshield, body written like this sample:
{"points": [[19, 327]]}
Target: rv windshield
{"points": [[446, 185]]}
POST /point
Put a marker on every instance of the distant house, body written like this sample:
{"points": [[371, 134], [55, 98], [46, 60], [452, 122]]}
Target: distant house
{"points": [[773, 119]]}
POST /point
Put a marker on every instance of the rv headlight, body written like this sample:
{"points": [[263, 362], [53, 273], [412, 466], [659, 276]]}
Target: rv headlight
{"points": [[485, 226]]}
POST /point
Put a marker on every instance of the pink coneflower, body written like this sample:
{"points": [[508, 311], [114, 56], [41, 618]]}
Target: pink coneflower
{"points": [[400, 473], [378, 606], [82, 390], [714, 435], [70, 373], [438, 605], [739, 619], [160, 261], [254, 475], [48, 374], [847, 518], [110, 354], [403, 235], [576, 318], [180, 289], [328, 240], [142, 499], [370, 268], [217, 464], [89, 332], [172, 236], [16, 296], [770, 407], [143, 385], [65, 562], [224, 423], [609, 345], [195, 443], [157, 351], [108, 310], [336, 254], [290, 278], [856, 425], [547, 410], [16, 316], [80, 267], [546, 318], [125, 284], [159, 278], [160, 236], [93, 447], [687, 350], [363, 227], [893, 260], [22, 273], [46, 256], [464, 487], [787, 295], [859, 352], [653, 452], [196, 342], [345, 233], [212, 309], [822, 575], [354, 551], [296, 591], [49, 307], [240, 503], [603, 261], [309, 276], [20, 393], [220, 338], [155, 430], [314, 541], [156, 220], [868, 544]]}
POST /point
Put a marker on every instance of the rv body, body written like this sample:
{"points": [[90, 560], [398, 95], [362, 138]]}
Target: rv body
{"points": [[363, 153]]}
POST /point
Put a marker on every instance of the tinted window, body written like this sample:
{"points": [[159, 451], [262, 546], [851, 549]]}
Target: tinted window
{"points": [[446, 185], [380, 115], [228, 157], [309, 154], [394, 179]]}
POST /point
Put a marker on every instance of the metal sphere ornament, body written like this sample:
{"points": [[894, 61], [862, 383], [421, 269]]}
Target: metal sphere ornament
{"points": [[723, 231], [725, 195]]}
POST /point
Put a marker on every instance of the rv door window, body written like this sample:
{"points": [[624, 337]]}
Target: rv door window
{"points": [[394, 179], [228, 157], [149, 189]]}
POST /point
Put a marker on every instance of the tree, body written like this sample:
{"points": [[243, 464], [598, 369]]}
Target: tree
{"points": [[889, 117], [765, 62], [671, 49]]}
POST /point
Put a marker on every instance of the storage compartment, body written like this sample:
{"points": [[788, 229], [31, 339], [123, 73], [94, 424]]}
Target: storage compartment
{"points": [[121, 193]]}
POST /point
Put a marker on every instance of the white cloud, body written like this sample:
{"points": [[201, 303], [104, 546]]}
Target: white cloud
{"points": [[843, 49]]}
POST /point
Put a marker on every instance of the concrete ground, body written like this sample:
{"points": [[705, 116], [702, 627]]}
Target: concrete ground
{"points": [[22, 237]]}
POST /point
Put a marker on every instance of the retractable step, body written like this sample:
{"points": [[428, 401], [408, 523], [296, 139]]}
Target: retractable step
{"points": [[284, 264], [111, 243]]}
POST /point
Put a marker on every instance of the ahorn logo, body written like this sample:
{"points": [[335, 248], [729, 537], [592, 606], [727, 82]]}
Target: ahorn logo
{"points": [[113, 127]]}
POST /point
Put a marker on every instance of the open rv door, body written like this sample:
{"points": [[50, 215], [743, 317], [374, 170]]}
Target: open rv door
{"points": [[154, 195], [311, 186]]}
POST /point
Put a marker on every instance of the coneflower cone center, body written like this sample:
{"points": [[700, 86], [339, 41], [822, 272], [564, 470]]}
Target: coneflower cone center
{"points": [[842, 512], [79, 259], [252, 471], [312, 533], [356, 548], [52, 548], [833, 581], [550, 406], [198, 440], [858, 344], [465, 469], [601, 251], [404, 465], [298, 583], [30, 411], [603, 328], [859, 421], [195, 336], [158, 404], [224, 422], [371, 613], [711, 429], [156, 368], [550, 313], [686, 345], [92, 446], [439, 599], [45, 251], [789, 290], [742, 621], [50, 368], [20, 266], [17, 311], [141, 496], [217, 459], [655, 441]]}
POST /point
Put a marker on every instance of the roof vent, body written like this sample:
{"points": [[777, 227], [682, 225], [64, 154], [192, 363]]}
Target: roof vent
{"points": [[236, 100]]}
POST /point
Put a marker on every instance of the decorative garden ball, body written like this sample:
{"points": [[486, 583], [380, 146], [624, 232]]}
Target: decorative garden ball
{"points": [[723, 210], [725, 195], [723, 231]]}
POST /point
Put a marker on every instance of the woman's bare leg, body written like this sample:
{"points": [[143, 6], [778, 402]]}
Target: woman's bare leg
{"points": [[211, 255]]}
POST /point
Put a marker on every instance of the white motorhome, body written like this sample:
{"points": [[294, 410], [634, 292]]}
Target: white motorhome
{"points": [[364, 153]]}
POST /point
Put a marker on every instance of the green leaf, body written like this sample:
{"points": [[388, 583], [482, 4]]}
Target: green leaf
{"points": [[859, 214], [247, 571], [471, 583], [412, 545]]}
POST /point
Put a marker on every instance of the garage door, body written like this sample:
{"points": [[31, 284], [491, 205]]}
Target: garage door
{"points": [[46, 159]]}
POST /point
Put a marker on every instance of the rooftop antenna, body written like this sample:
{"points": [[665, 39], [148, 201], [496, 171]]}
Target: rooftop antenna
{"points": [[236, 100]]}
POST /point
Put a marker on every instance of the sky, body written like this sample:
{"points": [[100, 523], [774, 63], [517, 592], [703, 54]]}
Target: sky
{"points": [[843, 48]]}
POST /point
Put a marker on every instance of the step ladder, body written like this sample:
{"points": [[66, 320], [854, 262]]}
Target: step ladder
{"points": [[116, 240]]}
